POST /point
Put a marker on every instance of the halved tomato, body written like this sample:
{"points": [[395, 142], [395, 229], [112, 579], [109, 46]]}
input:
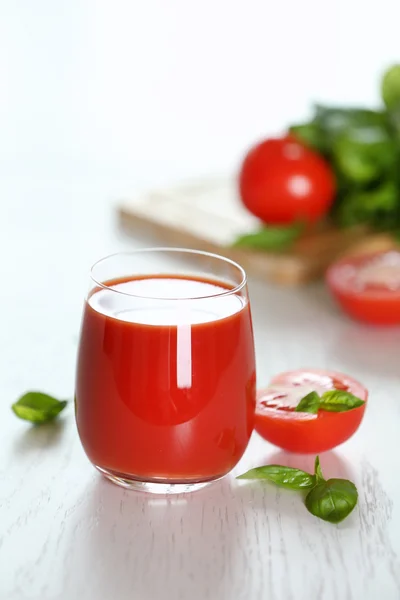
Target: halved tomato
{"points": [[277, 421], [367, 287]]}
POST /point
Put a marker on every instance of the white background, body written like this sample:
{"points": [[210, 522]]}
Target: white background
{"points": [[148, 91]]}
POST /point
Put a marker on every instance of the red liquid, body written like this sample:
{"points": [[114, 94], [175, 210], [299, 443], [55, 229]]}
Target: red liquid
{"points": [[165, 392]]}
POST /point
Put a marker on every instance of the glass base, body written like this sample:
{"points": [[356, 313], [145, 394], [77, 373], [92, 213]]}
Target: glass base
{"points": [[154, 487]]}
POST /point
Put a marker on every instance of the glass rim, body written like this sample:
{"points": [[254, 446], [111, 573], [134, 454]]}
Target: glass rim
{"points": [[187, 251]]}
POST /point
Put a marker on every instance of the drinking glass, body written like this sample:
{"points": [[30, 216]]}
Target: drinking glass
{"points": [[165, 386]]}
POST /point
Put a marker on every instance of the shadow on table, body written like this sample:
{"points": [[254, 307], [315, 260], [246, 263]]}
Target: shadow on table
{"points": [[219, 542], [373, 349], [309, 311], [37, 437], [160, 547], [332, 464], [292, 306]]}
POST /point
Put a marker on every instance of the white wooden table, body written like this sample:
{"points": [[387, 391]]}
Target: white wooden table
{"points": [[66, 533]]}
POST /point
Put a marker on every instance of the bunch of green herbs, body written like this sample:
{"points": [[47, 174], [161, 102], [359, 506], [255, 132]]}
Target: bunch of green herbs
{"points": [[362, 146]]}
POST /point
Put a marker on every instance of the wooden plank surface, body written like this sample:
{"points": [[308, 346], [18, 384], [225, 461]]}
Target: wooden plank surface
{"points": [[209, 216]]}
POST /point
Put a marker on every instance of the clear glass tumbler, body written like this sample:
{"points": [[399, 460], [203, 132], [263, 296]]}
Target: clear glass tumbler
{"points": [[165, 387]]}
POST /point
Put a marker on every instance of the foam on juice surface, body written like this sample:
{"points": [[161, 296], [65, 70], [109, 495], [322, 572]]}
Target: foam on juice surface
{"points": [[159, 306]]}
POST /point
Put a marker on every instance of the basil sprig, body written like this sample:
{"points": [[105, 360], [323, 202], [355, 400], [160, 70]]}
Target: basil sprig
{"points": [[331, 500], [331, 401], [37, 407], [294, 479]]}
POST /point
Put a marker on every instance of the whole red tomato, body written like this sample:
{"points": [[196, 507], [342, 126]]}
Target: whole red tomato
{"points": [[282, 181]]}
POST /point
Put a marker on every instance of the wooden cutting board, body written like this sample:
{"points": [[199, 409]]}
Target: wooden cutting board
{"points": [[209, 216]]}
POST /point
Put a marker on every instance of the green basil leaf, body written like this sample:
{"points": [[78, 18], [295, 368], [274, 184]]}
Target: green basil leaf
{"points": [[37, 407], [309, 404], [339, 401], [332, 500], [270, 238], [319, 478], [287, 477]]}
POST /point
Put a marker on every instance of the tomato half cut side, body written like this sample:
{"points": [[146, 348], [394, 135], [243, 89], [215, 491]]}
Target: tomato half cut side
{"points": [[277, 421], [367, 287]]}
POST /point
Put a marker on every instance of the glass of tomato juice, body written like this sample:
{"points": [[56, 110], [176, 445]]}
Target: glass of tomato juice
{"points": [[165, 387]]}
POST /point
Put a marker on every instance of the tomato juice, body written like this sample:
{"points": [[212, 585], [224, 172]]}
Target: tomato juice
{"points": [[165, 384]]}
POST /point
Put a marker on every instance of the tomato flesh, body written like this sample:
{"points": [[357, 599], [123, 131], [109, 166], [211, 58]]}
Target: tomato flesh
{"points": [[367, 287], [282, 181], [277, 421]]}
